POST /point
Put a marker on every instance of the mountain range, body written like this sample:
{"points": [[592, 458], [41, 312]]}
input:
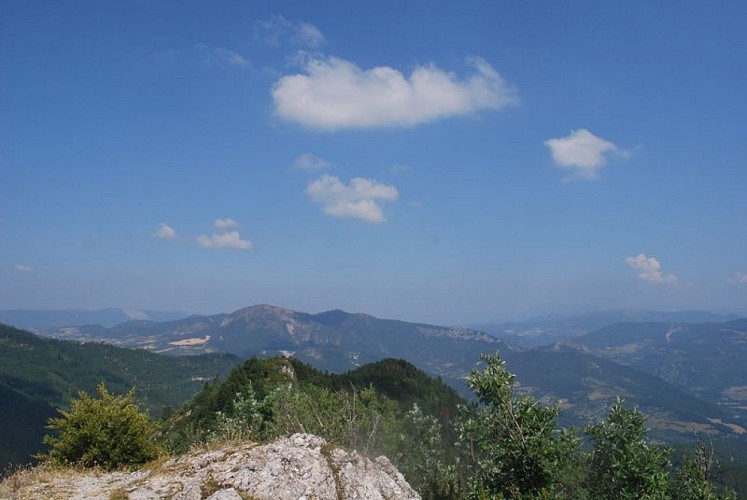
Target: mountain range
{"points": [[548, 329], [334, 340], [706, 359], [45, 319], [584, 379]]}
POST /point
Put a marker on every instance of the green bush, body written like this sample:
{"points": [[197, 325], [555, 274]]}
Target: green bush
{"points": [[624, 463], [109, 432], [511, 443], [423, 458]]}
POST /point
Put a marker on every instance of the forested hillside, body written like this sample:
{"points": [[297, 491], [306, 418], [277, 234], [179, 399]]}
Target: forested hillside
{"points": [[394, 380], [38, 375]]}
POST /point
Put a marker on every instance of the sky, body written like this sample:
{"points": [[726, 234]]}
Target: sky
{"points": [[442, 162]]}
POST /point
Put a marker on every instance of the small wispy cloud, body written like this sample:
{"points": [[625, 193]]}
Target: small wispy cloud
{"points": [[164, 232], [277, 30], [23, 268], [231, 240], [583, 153], [358, 200], [308, 35], [309, 161], [649, 269], [332, 94], [220, 56], [739, 278], [225, 223], [399, 169]]}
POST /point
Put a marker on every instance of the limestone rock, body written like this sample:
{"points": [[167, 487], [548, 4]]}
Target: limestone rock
{"points": [[302, 466]]}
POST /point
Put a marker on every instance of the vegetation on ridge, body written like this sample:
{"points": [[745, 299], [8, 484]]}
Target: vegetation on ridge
{"points": [[508, 445]]}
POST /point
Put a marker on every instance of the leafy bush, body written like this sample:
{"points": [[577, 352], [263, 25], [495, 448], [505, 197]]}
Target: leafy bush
{"points": [[244, 420], [423, 458], [511, 442], [694, 479], [108, 431], [624, 463]]}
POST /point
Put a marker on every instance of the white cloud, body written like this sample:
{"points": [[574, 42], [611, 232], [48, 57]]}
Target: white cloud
{"points": [[309, 161], [220, 56], [649, 269], [225, 240], [739, 278], [164, 232], [225, 223], [23, 268], [358, 200], [308, 35], [582, 152], [334, 94], [276, 30]]}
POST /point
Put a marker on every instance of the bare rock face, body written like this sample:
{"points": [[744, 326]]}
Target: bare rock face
{"points": [[302, 466]]}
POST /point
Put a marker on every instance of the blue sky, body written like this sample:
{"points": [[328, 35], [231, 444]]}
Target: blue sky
{"points": [[446, 162]]}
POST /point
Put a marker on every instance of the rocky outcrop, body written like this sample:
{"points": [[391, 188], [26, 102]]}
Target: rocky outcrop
{"points": [[302, 466]]}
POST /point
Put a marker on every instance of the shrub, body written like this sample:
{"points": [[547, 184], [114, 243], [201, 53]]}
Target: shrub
{"points": [[510, 442], [424, 460], [624, 463], [108, 431]]}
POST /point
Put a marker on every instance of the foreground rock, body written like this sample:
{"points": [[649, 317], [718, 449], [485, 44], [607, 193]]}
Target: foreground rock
{"points": [[302, 466]]}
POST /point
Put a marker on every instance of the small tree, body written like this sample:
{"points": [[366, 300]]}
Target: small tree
{"points": [[108, 431], [624, 464], [693, 480], [512, 441], [423, 458], [244, 420]]}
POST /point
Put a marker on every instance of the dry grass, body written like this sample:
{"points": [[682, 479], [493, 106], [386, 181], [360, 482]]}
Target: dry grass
{"points": [[156, 463], [119, 494], [18, 485]]}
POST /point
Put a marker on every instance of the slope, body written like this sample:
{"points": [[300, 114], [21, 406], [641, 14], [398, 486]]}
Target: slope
{"points": [[38, 375], [707, 360]]}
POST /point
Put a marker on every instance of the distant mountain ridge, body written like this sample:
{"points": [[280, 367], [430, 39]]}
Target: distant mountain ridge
{"points": [[545, 330], [335, 339], [708, 360], [44, 319]]}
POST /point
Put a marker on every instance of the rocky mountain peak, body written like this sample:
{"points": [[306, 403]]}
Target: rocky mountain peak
{"points": [[262, 310]]}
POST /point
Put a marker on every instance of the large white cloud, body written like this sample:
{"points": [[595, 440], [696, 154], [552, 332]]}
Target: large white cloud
{"points": [[739, 278], [358, 200], [333, 94], [649, 269], [23, 268], [164, 232], [226, 240], [582, 152]]}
